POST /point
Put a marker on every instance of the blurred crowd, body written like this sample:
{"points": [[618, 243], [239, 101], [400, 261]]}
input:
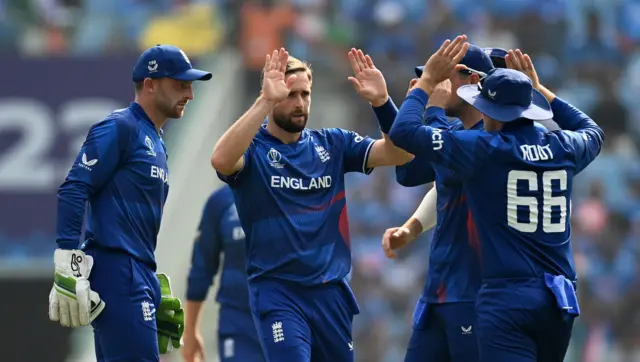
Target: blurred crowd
{"points": [[587, 51]]}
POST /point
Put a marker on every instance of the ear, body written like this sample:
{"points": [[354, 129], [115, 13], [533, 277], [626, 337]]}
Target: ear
{"points": [[149, 84], [475, 79]]}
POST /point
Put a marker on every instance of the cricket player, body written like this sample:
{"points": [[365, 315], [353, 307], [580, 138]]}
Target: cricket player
{"points": [[220, 233], [517, 182], [288, 186], [121, 173], [444, 318]]}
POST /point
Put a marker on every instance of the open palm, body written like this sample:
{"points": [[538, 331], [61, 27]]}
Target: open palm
{"points": [[368, 81], [516, 60], [274, 86]]}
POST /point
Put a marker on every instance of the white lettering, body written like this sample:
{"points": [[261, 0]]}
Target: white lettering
{"points": [[534, 153], [315, 183], [158, 172], [436, 138]]}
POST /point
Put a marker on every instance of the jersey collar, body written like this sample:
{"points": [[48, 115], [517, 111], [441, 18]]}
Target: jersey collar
{"points": [[141, 114], [478, 126]]}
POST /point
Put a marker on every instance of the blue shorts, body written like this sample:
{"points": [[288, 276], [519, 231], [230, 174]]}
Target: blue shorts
{"points": [[302, 324], [237, 337], [126, 330], [521, 323], [443, 333]]}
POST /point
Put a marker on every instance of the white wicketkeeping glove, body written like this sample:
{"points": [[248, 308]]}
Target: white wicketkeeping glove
{"points": [[71, 301]]}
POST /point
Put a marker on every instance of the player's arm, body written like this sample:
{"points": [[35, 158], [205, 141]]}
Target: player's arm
{"points": [[229, 154], [425, 218], [584, 134], [370, 85], [459, 151], [419, 171], [205, 263], [385, 153], [97, 160], [71, 300]]}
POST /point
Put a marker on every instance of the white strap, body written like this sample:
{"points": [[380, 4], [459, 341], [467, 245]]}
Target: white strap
{"points": [[427, 212]]}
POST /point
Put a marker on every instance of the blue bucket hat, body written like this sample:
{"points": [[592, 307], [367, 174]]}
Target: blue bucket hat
{"points": [[497, 56], [166, 61], [507, 95], [476, 59]]}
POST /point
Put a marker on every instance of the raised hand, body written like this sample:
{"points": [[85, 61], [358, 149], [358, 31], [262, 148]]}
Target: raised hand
{"points": [[441, 94], [275, 87], [516, 60], [443, 62], [368, 81]]}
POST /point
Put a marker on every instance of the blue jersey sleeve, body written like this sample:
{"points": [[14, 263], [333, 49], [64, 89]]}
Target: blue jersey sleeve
{"points": [[461, 151], [104, 148], [580, 131], [355, 150], [205, 257], [386, 114], [241, 174], [415, 172], [419, 171]]}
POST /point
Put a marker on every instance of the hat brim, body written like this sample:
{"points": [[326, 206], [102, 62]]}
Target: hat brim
{"points": [[538, 110], [419, 70], [191, 75]]}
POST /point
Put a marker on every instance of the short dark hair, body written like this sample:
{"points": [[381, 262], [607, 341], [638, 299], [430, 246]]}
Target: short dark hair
{"points": [[138, 86], [294, 65]]}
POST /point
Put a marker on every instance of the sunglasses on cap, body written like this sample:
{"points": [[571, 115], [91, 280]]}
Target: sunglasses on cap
{"points": [[469, 71]]}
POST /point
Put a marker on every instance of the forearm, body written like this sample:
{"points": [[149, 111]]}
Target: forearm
{"points": [[386, 114], [415, 228], [72, 197], [231, 146], [569, 117], [192, 322], [427, 212], [405, 132]]}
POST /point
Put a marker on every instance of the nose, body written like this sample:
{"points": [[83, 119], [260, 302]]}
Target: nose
{"points": [[189, 92]]}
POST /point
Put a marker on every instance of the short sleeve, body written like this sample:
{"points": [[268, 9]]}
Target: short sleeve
{"points": [[355, 150]]}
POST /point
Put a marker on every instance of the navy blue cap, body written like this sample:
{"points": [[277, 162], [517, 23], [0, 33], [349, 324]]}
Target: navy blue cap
{"points": [[166, 61], [507, 95], [497, 56], [475, 59]]}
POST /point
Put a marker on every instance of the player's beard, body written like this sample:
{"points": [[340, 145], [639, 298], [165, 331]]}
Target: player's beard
{"points": [[287, 124], [170, 109]]}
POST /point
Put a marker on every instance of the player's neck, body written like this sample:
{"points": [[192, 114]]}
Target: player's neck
{"points": [[157, 118], [284, 136], [469, 117]]}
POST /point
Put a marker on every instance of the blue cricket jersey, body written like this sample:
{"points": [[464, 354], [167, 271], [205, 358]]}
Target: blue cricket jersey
{"points": [[219, 233], [517, 182], [292, 206], [454, 269], [121, 172]]}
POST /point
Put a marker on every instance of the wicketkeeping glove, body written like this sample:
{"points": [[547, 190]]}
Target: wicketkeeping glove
{"points": [[71, 301], [169, 318]]}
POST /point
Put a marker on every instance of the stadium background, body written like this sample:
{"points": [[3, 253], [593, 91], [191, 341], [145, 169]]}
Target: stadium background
{"points": [[64, 64]]}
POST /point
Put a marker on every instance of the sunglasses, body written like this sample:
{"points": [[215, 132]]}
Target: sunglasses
{"points": [[469, 71]]}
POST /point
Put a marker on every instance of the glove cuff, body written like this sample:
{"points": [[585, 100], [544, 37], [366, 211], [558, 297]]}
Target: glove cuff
{"points": [[72, 263]]}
